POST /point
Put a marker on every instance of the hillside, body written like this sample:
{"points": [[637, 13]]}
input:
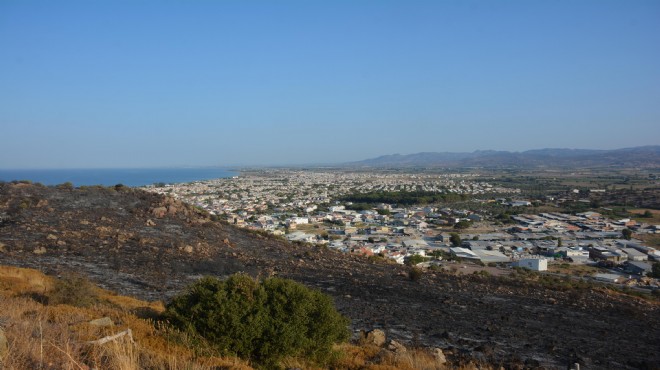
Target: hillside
{"points": [[150, 247], [643, 157]]}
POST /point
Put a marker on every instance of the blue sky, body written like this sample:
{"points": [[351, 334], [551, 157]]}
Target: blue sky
{"points": [[168, 83]]}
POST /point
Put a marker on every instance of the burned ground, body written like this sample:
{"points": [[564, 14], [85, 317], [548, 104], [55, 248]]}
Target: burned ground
{"points": [[149, 246]]}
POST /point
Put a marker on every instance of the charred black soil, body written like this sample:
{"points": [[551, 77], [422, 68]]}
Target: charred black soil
{"points": [[148, 246]]}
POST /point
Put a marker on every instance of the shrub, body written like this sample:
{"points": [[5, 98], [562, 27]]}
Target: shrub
{"points": [[263, 321], [415, 274], [415, 259], [74, 290]]}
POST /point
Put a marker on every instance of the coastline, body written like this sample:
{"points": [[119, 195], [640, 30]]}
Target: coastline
{"points": [[133, 177]]}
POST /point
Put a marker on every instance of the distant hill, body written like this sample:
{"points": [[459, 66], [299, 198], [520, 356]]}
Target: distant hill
{"points": [[641, 157]]}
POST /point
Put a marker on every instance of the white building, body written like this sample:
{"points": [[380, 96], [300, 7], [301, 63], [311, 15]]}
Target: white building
{"points": [[534, 264]]}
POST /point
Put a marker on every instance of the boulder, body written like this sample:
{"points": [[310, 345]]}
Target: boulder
{"points": [[39, 250], [188, 249], [376, 337], [439, 356], [397, 347], [159, 212], [102, 322], [150, 223]]}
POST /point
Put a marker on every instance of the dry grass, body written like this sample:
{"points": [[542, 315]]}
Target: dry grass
{"points": [[655, 220], [573, 269], [371, 357], [44, 336]]}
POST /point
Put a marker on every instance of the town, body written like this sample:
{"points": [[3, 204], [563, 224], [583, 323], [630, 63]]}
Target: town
{"points": [[466, 222]]}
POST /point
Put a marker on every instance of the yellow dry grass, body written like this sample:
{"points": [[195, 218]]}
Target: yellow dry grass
{"points": [[56, 336], [45, 336]]}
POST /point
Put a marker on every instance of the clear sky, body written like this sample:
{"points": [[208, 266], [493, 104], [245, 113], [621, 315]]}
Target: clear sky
{"points": [[167, 83]]}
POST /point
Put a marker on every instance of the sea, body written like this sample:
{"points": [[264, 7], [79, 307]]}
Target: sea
{"points": [[110, 177]]}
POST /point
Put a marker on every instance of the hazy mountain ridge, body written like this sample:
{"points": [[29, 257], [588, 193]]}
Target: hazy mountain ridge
{"points": [[644, 156]]}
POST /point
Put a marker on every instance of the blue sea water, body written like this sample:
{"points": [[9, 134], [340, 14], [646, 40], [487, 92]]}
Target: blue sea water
{"points": [[110, 177]]}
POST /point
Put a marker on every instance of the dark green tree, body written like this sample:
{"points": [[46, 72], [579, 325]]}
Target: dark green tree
{"points": [[655, 271], [462, 224], [626, 233], [455, 239]]}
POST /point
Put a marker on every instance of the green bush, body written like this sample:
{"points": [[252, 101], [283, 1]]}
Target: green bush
{"points": [[263, 321], [74, 290]]}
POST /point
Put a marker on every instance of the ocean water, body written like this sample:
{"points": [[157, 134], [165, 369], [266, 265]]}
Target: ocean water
{"points": [[110, 177]]}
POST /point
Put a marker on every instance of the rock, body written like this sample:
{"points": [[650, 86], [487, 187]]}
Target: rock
{"points": [[2, 247], [376, 337], [61, 243], [159, 212], [188, 249], [172, 210], [102, 322], [40, 250], [439, 356], [51, 237], [84, 222], [4, 346], [150, 223], [397, 347]]}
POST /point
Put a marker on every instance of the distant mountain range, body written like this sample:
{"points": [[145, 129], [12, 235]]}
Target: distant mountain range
{"points": [[641, 157]]}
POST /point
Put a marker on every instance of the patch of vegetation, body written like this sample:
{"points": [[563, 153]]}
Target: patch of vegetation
{"points": [[73, 290], [264, 321], [655, 271], [415, 259], [414, 274], [405, 197]]}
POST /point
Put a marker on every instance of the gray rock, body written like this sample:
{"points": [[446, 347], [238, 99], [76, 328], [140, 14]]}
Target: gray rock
{"points": [[102, 322], [397, 347]]}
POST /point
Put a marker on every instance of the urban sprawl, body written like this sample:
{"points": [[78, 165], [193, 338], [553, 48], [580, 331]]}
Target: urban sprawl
{"points": [[308, 206]]}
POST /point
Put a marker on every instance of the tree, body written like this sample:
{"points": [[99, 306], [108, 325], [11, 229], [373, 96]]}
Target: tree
{"points": [[462, 224], [415, 259], [655, 271], [263, 321], [626, 233], [455, 239]]}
